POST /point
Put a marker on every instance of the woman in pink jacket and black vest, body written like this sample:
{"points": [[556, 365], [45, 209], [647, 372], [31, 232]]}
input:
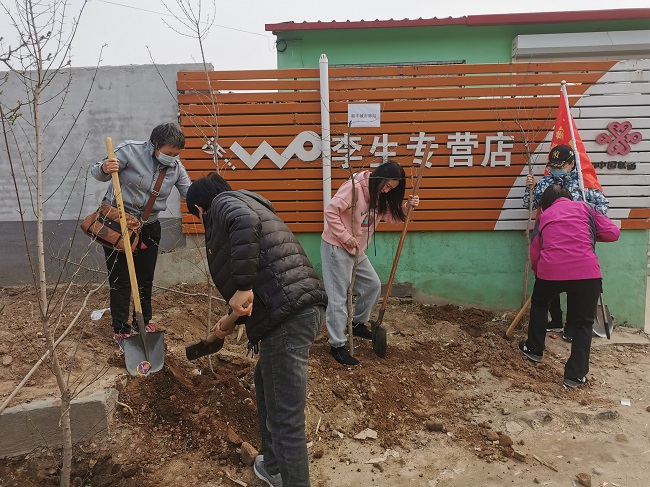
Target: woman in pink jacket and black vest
{"points": [[563, 258], [379, 196]]}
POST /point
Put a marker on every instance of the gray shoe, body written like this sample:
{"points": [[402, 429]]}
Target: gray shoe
{"points": [[262, 474], [573, 383]]}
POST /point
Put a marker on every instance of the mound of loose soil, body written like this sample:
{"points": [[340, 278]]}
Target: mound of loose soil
{"points": [[453, 401]]}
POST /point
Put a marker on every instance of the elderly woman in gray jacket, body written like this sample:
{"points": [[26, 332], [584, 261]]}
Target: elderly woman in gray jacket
{"points": [[138, 165]]}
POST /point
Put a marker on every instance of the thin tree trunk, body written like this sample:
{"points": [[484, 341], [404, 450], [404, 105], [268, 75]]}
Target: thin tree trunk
{"points": [[356, 253], [350, 298], [524, 296], [42, 282], [43, 305], [208, 323]]}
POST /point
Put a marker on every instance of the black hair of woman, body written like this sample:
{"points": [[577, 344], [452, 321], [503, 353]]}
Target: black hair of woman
{"points": [[552, 193], [202, 191], [167, 134], [390, 200]]}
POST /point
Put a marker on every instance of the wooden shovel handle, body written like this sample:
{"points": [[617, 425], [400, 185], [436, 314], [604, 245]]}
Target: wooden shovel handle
{"points": [[125, 231], [518, 317], [230, 319], [416, 188]]}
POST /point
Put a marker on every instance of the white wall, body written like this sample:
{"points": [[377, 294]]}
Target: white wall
{"points": [[123, 102]]}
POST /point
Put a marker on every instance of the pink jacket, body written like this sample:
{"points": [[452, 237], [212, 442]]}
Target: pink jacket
{"points": [[562, 248], [338, 215]]}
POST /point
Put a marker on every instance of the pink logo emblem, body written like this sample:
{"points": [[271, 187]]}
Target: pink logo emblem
{"points": [[619, 138]]}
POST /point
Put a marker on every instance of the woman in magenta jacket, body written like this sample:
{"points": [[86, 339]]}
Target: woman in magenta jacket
{"points": [[563, 258]]}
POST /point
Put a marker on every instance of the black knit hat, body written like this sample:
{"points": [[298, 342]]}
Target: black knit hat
{"points": [[560, 155]]}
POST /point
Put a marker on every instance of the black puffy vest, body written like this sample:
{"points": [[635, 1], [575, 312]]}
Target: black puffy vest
{"points": [[250, 247]]}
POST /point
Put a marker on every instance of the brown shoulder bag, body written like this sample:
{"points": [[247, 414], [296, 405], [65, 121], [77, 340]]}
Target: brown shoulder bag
{"points": [[103, 225]]}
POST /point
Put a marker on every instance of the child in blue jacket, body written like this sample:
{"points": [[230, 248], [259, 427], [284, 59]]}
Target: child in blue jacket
{"points": [[562, 169]]}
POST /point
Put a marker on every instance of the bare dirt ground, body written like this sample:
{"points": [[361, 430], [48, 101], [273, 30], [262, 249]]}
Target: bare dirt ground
{"points": [[454, 403]]}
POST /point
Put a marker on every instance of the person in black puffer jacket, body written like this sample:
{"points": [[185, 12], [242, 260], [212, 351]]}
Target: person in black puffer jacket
{"points": [[261, 269]]}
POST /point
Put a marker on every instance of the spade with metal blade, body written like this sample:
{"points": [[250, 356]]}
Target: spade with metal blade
{"points": [[604, 323], [144, 353], [379, 333], [211, 344]]}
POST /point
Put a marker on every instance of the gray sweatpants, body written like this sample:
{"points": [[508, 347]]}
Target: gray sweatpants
{"points": [[337, 274]]}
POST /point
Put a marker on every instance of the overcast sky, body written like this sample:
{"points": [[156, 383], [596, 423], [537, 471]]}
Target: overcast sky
{"points": [[238, 39]]}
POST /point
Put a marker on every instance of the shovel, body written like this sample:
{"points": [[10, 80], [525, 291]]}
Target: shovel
{"points": [[144, 353], [211, 344], [379, 333], [517, 319], [604, 323]]}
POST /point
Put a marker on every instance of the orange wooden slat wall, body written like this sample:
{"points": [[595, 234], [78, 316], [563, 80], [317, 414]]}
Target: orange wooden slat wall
{"points": [[274, 106]]}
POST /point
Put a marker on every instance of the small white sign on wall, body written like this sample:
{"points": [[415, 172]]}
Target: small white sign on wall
{"points": [[364, 115]]}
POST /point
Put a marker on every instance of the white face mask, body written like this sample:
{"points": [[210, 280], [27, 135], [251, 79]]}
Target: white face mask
{"points": [[166, 160]]}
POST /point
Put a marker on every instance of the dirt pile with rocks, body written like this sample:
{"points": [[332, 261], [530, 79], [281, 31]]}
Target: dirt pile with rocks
{"points": [[453, 403]]}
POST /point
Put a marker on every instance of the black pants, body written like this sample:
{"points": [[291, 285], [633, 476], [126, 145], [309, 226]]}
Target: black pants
{"points": [[556, 311], [118, 278], [582, 298]]}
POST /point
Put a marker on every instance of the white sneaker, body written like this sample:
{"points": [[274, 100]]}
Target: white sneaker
{"points": [[262, 474]]}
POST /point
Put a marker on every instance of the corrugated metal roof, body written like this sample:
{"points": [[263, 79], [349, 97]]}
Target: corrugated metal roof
{"points": [[471, 20]]}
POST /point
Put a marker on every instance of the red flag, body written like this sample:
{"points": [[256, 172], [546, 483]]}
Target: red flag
{"points": [[562, 135]]}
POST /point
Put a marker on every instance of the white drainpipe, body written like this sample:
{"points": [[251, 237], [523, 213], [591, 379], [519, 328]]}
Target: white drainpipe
{"points": [[325, 134]]}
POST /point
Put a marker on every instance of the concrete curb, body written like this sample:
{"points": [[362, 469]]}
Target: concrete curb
{"points": [[36, 424]]}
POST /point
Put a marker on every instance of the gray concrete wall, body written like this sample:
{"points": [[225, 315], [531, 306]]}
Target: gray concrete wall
{"points": [[123, 102]]}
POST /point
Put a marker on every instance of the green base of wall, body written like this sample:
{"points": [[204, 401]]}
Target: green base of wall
{"points": [[486, 269]]}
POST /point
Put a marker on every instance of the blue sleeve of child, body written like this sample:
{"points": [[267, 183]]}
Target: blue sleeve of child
{"points": [[597, 198], [538, 191]]}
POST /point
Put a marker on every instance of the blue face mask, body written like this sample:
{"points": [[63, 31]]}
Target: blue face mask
{"points": [[166, 160], [558, 173]]}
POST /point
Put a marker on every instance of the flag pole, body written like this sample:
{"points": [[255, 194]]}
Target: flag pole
{"points": [[576, 152]]}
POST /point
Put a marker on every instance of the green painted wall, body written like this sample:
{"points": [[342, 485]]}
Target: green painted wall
{"points": [[478, 268], [486, 269], [422, 44]]}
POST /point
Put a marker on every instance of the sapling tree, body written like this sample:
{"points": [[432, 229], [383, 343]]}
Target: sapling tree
{"points": [[524, 128], [194, 19], [38, 57]]}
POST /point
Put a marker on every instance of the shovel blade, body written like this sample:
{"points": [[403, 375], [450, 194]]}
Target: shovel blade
{"points": [[603, 324], [144, 353], [202, 348], [378, 339]]}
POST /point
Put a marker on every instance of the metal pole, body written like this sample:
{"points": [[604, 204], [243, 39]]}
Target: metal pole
{"points": [[581, 183], [326, 149]]}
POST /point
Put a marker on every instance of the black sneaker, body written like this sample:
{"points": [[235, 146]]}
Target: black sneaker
{"points": [[553, 327], [567, 337], [534, 356], [362, 331], [573, 383], [342, 356]]}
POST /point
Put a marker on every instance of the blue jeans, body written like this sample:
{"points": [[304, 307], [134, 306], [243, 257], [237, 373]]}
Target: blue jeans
{"points": [[281, 392]]}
